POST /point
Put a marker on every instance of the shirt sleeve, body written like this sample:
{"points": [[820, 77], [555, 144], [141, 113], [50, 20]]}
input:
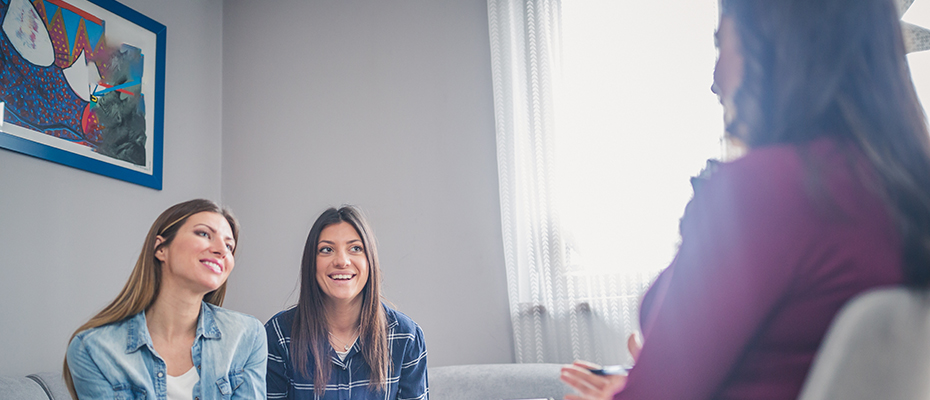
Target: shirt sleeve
{"points": [[255, 366], [414, 383], [741, 241], [89, 381], [278, 385]]}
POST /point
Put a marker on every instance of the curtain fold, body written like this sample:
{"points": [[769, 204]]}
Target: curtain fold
{"points": [[524, 57], [559, 312]]}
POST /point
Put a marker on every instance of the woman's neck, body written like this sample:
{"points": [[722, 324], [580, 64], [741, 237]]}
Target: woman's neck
{"points": [[172, 322], [172, 317], [343, 317]]}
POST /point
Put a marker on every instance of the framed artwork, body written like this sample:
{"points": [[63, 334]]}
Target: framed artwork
{"points": [[82, 84]]}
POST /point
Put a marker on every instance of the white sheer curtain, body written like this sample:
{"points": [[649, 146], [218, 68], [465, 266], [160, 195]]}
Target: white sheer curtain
{"points": [[524, 59], [566, 303], [553, 319]]}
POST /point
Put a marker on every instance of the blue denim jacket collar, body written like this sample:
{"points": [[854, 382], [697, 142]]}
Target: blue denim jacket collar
{"points": [[118, 360], [139, 331], [206, 327]]}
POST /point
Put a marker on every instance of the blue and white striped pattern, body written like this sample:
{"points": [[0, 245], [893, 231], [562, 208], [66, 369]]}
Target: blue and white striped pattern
{"points": [[350, 378]]}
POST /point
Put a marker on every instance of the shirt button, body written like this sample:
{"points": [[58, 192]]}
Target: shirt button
{"points": [[160, 374]]}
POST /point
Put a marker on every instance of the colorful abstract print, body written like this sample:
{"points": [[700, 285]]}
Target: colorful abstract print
{"points": [[58, 77]]}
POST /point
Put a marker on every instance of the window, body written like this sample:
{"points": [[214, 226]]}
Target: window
{"points": [[603, 112], [635, 119], [919, 14]]}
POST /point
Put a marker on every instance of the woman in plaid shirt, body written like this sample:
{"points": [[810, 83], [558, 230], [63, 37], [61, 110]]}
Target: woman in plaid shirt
{"points": [[340, 341]]}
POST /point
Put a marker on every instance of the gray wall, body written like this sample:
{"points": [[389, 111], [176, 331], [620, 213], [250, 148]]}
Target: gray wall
{"points": [[280, 109], [386, 105], [69, 238]]}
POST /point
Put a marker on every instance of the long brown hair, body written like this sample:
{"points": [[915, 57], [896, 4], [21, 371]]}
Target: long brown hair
{"points": [[837, 68], [309, 332], [141, 289]]}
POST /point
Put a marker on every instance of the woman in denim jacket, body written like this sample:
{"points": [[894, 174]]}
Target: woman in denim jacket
{"points": [[165, 336]]}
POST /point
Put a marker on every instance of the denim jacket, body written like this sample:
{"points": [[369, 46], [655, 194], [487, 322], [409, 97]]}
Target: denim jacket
{"points": [[118, 361]]}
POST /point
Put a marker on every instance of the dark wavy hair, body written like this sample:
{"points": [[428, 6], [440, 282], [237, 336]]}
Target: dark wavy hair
{"points": [[837, 68], [309, 331]]}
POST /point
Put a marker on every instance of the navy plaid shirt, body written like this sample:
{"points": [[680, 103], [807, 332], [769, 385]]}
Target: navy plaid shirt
{"points": [[349, 379]]}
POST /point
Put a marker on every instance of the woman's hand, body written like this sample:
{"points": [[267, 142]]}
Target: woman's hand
{"points": [[635, 344], [589, 386]]}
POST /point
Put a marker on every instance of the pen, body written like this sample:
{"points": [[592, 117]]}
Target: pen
{"points": [[610, 370]]}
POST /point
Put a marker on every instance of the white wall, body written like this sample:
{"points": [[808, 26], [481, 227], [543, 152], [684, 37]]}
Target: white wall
{"points": [[69, 238], [280, 109], [383, 104]]}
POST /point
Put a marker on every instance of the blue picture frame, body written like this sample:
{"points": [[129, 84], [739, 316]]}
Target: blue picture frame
{"points": [[100, 140]]}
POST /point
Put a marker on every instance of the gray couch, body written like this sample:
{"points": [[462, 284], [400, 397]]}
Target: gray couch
{"points": [[458, 382], [41, 386], [877, 348], [496, 382]]}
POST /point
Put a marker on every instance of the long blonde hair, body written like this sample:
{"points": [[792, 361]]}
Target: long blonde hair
{"points": [[141, 289]]}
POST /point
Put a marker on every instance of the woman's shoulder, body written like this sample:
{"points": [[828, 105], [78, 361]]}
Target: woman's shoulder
{"points": [[399, 320], [229, 319], [113, 338], [787, 160], [780, 175], [286, 315], [225, 313], [772, 160], [108, 332], [281, 322]]}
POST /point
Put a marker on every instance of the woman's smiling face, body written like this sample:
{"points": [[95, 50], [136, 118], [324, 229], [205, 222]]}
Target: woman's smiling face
{"points": [[341, 263], [199, 258]]}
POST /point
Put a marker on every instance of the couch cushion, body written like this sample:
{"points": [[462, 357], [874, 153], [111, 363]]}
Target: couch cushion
{"points": [[20, 388], [53, 383], [496, 381]]}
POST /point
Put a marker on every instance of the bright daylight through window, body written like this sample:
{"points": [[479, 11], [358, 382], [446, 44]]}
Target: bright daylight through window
{"points": [[636, 118], [919, 14]]}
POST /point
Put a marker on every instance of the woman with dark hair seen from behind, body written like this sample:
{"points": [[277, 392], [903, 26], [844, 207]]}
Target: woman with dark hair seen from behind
{"points": [[832, 198], [165, 335], [340, 341]]}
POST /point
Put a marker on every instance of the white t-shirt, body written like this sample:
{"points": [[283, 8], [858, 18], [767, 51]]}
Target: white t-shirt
{"points": [[182, 387]]}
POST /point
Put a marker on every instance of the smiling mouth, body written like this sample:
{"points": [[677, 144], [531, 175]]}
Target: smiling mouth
{"points": [[341, 277], [213, 266]]}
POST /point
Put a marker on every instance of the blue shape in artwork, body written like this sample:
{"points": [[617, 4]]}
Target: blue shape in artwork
{"points": [[117, 87], [72, 21], [94, 32], [50, 10], [138, 68], [135, 69]]}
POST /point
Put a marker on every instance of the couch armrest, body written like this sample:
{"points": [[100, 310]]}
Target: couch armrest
{"points": [[21, 388], [53, 385]]}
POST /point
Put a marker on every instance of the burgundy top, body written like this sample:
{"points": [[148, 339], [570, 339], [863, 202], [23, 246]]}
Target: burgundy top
{"points": [[773, 244]]}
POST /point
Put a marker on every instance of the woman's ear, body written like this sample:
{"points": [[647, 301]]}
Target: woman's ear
{"points": [[159, 249]]}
